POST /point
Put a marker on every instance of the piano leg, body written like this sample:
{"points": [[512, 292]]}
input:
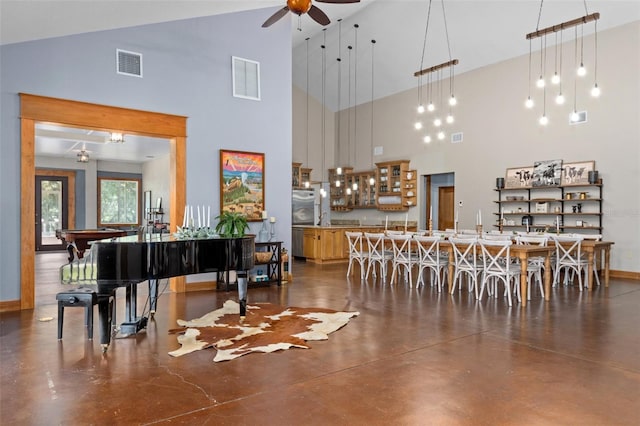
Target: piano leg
{"points": [[153, 297], [106, 314], [242, 292]]}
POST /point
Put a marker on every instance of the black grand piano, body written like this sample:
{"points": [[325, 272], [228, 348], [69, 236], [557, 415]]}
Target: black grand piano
{"points": [[128, 261]]}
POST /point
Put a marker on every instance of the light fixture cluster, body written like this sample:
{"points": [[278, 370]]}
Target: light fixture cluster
{"points": [[116, 137], [556, 80], [438, 108]]}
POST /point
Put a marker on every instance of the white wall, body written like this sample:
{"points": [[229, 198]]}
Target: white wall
{"points": [[500, 133], [187, 72]]}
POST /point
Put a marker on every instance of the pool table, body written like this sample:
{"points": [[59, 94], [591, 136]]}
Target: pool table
{"points": [[82, 237]]}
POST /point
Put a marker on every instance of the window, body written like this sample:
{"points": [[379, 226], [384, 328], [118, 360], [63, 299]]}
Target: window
{"points": [[118, 201], [246, 78]]}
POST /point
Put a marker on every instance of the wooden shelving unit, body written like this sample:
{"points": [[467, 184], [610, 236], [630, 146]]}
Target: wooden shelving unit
{"points": [[397, 186], [338, 199], [300, 175], [577, 207]]}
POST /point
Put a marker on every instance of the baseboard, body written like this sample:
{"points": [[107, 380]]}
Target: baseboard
{"points": [[9, 305], [624, 274], [200, 286]]}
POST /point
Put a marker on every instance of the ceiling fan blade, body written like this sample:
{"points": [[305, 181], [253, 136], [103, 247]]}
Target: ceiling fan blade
{"points": [[275, 17], [319, 16], [338, 1]]}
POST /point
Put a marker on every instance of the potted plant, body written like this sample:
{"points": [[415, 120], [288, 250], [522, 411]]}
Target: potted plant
{"points": [[231, 224]]}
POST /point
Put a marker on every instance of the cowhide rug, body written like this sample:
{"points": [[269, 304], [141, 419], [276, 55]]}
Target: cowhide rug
{"points": [[266, 328]]}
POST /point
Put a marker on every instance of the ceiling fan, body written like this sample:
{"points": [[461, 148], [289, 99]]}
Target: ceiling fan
{"points": [[300, 7]]}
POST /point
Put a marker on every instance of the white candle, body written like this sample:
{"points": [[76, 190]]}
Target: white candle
{"points": [[264, 214], [199, 221], [406, 222], [184, 216], [386, 222], [480, 217], [190, 216], [457, 211], [431, 213], [208, 216], [272, 219]]}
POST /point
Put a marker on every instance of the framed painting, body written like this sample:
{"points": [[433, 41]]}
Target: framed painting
{"points": [[242, 183], [547, 173], [577, 173], [519, 177]]}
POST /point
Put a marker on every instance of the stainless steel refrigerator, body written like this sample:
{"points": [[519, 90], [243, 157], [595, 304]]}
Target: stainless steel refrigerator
{"points": [[303, 207]]}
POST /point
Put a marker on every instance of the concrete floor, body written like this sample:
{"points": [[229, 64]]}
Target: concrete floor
{"points": [[412, 357]]}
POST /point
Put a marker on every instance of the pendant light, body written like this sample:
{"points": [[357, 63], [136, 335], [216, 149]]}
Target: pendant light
{"points": [[529, 102], [372, 181], [323, 192], [595, 91], [307, 184]]}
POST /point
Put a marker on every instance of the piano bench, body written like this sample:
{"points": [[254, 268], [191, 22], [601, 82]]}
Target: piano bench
{"points": [[86, 298]]}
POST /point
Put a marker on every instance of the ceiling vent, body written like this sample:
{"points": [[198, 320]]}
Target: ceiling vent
{"points": [[456, 137], [578, 117], [129, 63]]}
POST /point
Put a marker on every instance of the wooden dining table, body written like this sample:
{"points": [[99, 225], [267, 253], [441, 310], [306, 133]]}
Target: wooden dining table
{"points": [[523, 253]]}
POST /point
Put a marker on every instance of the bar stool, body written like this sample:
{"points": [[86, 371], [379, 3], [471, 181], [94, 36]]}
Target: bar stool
{"points": [[86, 298]]}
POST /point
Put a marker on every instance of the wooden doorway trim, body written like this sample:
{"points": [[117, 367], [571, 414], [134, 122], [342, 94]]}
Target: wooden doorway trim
{"points": [[34, 109]]}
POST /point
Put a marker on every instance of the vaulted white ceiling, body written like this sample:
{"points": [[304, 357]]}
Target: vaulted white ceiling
{"points": [[480, 33]]}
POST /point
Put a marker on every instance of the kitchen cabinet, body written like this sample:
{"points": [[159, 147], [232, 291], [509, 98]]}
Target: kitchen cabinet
{"points": [[338, 197], [397, 186]]}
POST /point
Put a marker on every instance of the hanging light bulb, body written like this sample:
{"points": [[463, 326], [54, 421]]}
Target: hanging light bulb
{"points": [[440, 135], [529, 102], [339, 171], [560, 99], [431, 107], [452, 100], [437, 122], [540, 82], [420, 109], [354, 186], [323, 192], [543, 120], [427, 139], [555, 79], [307, 184], [418, 125], [449, 118], [595, 91], [372, 181], [348, 191], [337, 184], [582, 71]]}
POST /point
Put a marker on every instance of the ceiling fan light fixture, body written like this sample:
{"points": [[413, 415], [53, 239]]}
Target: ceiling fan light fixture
{"points": [[82, 157]]}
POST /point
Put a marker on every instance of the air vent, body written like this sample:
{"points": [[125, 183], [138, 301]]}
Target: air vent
{"points": [[129, 63], [580, 117], [456, 137]]}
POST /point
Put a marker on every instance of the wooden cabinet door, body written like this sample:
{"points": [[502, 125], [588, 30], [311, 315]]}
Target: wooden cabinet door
{"points": [[310, 250]]}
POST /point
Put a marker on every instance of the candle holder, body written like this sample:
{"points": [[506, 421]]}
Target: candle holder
{"points": [[501, 225], [263, 235], [273, 231], [430, 227], [479, 229]]}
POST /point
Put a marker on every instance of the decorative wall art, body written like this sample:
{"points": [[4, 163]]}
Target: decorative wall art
{"points": [[519, 177], [577, 173], [242, 183], [547, 173]]}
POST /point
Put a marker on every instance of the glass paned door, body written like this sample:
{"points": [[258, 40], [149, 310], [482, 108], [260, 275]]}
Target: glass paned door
{"points": [[51, 211]]}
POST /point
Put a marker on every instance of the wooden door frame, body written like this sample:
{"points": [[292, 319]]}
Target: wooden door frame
{"points": [[68, 113]]}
